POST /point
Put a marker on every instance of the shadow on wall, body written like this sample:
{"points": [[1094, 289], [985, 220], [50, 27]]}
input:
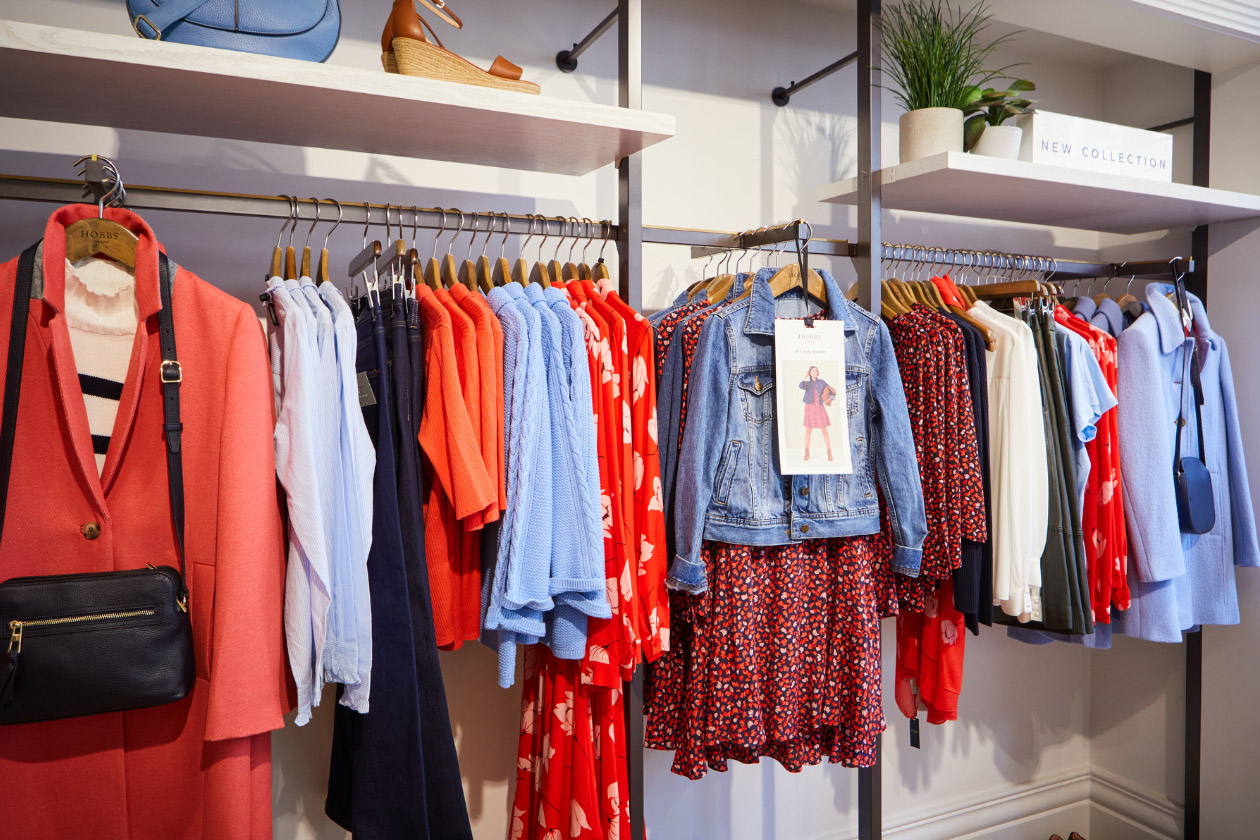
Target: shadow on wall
{"points": [[233, 252]]}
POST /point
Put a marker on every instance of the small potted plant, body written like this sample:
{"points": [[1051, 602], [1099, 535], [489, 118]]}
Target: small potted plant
{"points": [[983, 132], [936, 64]]}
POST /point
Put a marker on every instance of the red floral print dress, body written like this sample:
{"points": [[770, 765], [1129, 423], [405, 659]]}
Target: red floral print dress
{"points": [[930, 640], [572, 768], [780, 657]]}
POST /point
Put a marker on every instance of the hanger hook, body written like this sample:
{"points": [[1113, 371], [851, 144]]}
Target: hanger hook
{"points": [[367, 221], [458, 230], [311, 230], [438, 235], [472, 237], [507, 229], [577, 227], [607, 225], [528, 236], [287, 219], [293, 216], [388, 224], [336, 224], [542, 220], [415, 225]]}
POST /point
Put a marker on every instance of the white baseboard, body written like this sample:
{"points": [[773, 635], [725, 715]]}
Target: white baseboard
{"points": [[1095, 802]]}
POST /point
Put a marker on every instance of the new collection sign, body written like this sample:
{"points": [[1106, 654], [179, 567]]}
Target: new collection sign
{"points": [[1060, 140]]}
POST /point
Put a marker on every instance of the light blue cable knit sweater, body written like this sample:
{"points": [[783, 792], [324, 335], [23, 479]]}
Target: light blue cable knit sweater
{"points": [[516, 592], [566, 624]]}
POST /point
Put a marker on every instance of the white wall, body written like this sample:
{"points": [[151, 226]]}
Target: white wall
{"points": [[737, 162]]}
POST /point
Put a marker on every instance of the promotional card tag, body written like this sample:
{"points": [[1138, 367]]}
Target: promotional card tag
{"points": [[812, 399], [366, 395]]}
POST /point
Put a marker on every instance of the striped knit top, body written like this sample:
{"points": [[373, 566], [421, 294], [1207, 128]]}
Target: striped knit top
{"points": [[102, 314]]}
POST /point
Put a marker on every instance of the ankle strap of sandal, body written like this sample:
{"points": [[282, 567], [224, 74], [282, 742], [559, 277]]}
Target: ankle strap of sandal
{"points": [[438, 7]]}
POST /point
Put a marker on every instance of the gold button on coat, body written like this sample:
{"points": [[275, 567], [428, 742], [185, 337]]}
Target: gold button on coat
{"points": [[91, 530]]}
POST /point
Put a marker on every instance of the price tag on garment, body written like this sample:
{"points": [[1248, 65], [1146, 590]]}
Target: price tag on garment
{"points": [[812, 401], [366, 395]]}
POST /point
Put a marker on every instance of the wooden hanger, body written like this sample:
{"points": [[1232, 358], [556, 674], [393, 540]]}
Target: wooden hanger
{"points": [[450, 271], [540, 272], [433, 269], [571, 271], [290, 258], [501, 269], [520, 270], [277, 254], [555, 270], [97, 236], [322, 274], [790, 277], [305, 271], [468, 269], [599, 271]]}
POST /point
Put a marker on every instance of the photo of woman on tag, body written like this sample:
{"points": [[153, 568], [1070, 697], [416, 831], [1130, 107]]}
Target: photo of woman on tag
{"points": [[818, 397], [813, 355]]}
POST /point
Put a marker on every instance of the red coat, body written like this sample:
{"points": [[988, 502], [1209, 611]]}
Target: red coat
{"points": [[199, 768]]}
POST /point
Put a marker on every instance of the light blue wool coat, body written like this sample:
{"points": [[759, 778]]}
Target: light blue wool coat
{"points": [[1179, 580]]}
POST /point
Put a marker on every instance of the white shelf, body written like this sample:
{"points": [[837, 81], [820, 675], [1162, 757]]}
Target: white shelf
{"points": [[68, 75], [958, 184]]}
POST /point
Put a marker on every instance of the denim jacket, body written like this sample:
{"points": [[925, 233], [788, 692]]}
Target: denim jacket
{"points": [[729, 485]]}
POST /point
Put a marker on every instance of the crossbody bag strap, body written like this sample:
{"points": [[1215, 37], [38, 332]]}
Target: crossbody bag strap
{"points": [[172, 375], [13, 369], [1196, 383], [151, 25]]}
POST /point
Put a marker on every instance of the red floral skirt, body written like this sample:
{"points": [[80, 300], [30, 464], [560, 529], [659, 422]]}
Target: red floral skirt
{"points": [[779, 658], [816, 416]]}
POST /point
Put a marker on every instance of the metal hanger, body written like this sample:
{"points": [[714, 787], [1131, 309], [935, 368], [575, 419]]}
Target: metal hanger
{"points": [[432, 269], [555, 270], [541, 273]]}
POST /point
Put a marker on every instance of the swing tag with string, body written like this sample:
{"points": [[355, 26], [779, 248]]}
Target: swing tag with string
{"points": [[812, 401]]}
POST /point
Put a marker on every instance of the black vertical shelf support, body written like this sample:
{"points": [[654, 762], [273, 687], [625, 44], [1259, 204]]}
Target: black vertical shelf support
{"points": [[630, 284], [1194, 641], [867, 260]]}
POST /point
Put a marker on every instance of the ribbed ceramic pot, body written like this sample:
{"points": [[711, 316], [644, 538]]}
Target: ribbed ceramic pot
{"points": [[999, 141], [930, 131]]}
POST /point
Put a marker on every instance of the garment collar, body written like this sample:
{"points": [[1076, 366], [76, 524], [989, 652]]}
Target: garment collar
{"points": [[1171, 334], [1110, 312], [1085, 308], [148, 299], [761, 307]]}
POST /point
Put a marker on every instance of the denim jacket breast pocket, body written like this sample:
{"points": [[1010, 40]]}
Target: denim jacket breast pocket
{"points": [[755, 497]]}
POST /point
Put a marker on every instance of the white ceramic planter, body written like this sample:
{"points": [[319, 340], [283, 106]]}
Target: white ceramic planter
{"points": [[930, 131], [999, 141]]}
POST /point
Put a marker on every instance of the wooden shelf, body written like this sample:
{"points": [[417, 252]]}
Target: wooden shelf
{"points": [[958, 184], [68, 75]]}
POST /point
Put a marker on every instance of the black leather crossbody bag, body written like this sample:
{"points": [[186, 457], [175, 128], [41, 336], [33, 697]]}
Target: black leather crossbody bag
{"points": [[1196, 503], [83, 644]]}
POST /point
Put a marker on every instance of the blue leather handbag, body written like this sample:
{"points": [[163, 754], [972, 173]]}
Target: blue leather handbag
{"points": [[303, 29]]}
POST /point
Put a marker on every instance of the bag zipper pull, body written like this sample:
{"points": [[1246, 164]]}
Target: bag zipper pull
{"points": [[8, 672]]}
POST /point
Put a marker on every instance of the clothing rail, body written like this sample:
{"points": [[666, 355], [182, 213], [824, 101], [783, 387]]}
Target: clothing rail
{"points": [[1052, 269], [68, 191]]}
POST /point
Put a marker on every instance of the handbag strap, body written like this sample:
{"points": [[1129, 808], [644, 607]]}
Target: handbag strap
{"points": [[1196, 383], [163, 17], [171, 375], [13, 370]]}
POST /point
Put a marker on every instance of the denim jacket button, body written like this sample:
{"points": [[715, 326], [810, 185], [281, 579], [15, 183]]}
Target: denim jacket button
{"points": [[804, 529], [804, 491]]}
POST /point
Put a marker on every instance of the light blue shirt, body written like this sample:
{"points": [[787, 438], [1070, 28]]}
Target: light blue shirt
{"points": [[308, 588], [349, 642], [1089, 398]]}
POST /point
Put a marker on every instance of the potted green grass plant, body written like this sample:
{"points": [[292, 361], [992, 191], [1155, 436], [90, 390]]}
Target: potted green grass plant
{"points": [[936, 64]]}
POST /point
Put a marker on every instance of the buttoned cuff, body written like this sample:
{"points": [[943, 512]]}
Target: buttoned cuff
{"points": [[907, 561], [687, 576]]}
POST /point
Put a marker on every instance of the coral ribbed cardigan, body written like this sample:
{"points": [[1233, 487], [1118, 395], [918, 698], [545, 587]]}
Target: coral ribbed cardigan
{"points": [[458, 485], [201, 767]]}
